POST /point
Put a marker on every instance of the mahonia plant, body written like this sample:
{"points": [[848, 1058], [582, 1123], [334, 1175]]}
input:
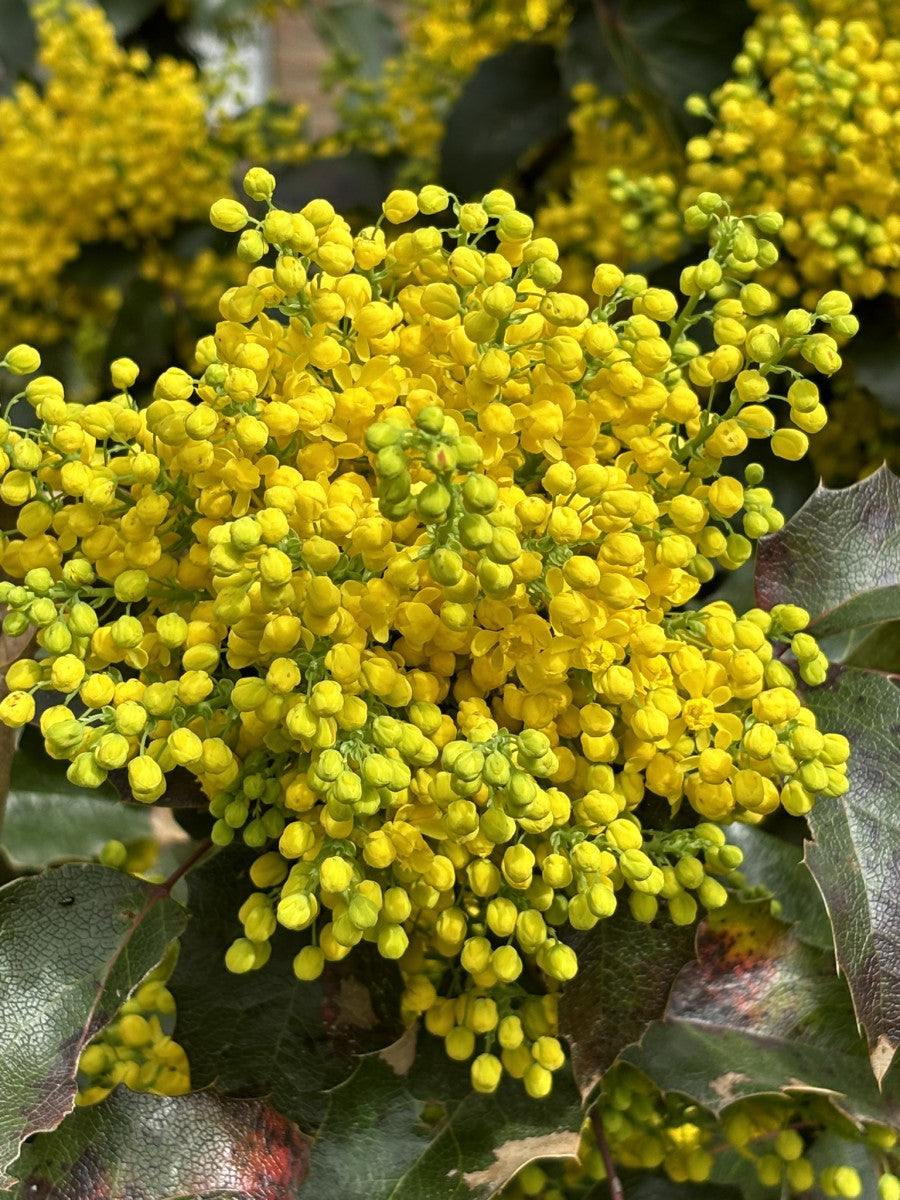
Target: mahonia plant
{"points": [[407, 576], [115, 150], [646, 1130]]}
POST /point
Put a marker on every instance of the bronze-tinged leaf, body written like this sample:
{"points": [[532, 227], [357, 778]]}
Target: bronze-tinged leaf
{"points": [[167, 1148], [758, 1013]]}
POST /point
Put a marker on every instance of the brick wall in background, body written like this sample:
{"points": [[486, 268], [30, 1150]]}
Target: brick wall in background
{"points": [[297, 61], [297, 58]]}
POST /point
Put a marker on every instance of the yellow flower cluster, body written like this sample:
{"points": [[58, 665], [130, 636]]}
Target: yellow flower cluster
{"points": [[809, 124], [618, 204], [648, 1130], [446, 40], [401, 579], [113, 147], [135, 1049]]}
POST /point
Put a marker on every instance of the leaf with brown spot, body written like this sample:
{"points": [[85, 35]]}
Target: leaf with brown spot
{"points": [[142, 1147], [625, 972], [74, 943], [512, 1156], [759, 1013]]}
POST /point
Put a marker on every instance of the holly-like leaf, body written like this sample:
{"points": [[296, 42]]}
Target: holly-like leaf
{"points": [[196, 1147], [268, 1033], [777, 865], [511, 106], [625, 972], [760, 1013], [838, 557], [49, 819], [408, 1126], [74, 942], [855, 854], [830, 1149]]}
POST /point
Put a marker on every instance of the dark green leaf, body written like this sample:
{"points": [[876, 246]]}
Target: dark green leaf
{"points": [[585, 56], [182, 789], [511, 106], [74, 942], [268, 1033], [625, 972], [376, 1141], [143, 328], [101, 264], [655, 1187], [48, 818], [672, 48], [875, 350], [127, 15], [18, 41], [730, 1166], [167, 1148], [778, 866], [359, 32], [355, 181], [838, 557], [878, 650], [855, 857], [760, 1013]]}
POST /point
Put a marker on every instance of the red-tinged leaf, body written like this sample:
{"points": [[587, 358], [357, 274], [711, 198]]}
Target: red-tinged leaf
{"points": [[855, 853], [625, 972], [760, 1013], [74, 942], [166, 1147], [838, 557]]}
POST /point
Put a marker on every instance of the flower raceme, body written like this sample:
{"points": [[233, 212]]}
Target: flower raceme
{"points": [[403, 577]]}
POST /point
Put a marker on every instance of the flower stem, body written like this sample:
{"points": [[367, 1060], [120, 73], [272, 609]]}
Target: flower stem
{"points": [[616, 1191]]}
